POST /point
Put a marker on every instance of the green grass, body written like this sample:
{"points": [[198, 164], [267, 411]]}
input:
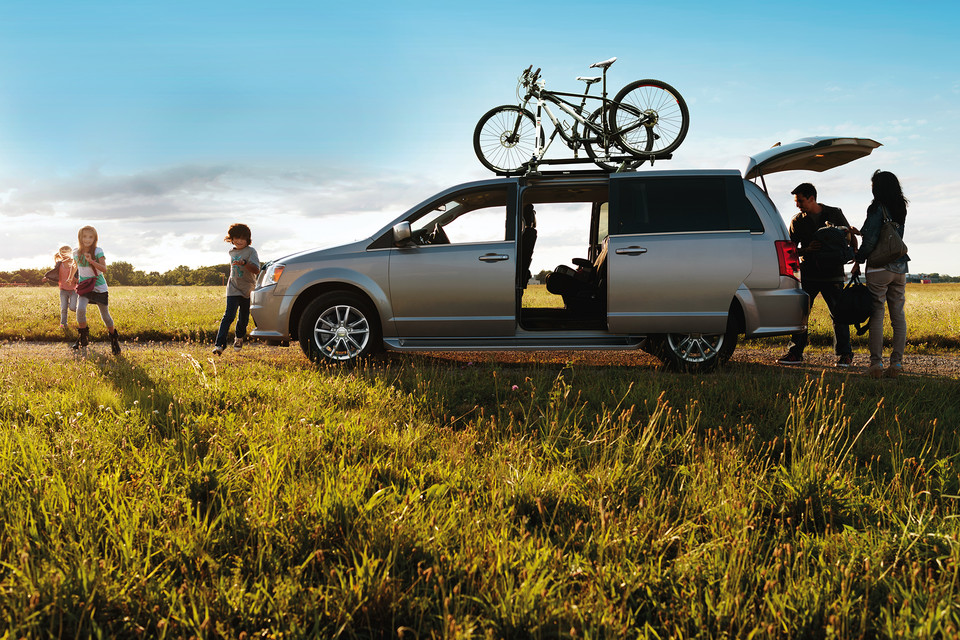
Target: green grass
{"points": [[147, 313], [165, 493], [168, 494]]}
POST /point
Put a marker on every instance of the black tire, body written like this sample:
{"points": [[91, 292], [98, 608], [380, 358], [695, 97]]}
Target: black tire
{"points": [[694, 352], [662, 111], [495, 143], [594, 148], [339, 328]]}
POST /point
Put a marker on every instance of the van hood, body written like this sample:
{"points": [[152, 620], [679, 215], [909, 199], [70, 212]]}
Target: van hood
{"points": [[810, 154]]}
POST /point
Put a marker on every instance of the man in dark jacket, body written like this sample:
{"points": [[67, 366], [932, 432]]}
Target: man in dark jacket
{"points": [[817, 276]]}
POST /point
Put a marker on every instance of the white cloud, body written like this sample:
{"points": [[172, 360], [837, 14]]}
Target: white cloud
{"points": [[157, 220]]}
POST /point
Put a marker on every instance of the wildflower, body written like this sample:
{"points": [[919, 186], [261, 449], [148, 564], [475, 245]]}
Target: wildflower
{"points": [[514, 388]]}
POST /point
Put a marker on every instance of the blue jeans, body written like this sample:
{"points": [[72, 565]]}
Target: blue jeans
{"points": [[68, 300], [234, 303]]}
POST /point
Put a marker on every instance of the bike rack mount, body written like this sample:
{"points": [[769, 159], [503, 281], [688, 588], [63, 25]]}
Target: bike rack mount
{"points": [[627, 163]]}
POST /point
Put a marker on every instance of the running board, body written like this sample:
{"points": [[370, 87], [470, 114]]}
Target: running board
{"points": [[524, 343]]}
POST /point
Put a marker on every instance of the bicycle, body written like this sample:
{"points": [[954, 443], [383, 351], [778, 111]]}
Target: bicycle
{"points": [[646, 120]]}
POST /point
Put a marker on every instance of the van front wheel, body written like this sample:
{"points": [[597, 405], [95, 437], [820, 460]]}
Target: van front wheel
{"points": [[339, 327]]}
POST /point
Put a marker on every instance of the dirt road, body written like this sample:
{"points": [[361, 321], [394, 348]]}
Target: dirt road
{"points": [[942, 365]]}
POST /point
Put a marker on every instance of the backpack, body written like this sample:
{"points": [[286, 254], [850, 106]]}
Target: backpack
{"points": [[835, 250]]}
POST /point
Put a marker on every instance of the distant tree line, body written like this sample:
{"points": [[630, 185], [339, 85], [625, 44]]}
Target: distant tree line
{"points": [[123, 274], [932, 277]]}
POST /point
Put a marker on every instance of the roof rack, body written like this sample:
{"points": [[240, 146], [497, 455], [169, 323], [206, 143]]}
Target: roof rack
{"points": [[627, 163]]}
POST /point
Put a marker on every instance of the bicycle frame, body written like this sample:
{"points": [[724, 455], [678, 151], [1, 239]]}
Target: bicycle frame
{"points": [[599, 131], [573, 140], [603, 135]]}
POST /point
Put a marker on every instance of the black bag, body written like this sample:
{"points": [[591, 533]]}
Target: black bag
{"points": [[854, 305], [835, 251]]}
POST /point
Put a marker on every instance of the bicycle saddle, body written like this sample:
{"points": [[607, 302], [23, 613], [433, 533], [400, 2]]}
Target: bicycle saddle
{"points": [[589, 81], [604, 64]]}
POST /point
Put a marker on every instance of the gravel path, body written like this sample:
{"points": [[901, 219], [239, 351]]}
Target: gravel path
{"points": [[942, 365]]}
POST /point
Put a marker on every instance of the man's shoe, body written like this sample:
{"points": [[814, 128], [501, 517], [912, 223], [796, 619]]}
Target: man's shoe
{"points": [[875, 371], [217, 350], [845, 361], [790, 358], [237, 344], [893, 371]]}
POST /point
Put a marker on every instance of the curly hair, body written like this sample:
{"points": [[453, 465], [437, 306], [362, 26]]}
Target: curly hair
{"points": [[238, 230]]}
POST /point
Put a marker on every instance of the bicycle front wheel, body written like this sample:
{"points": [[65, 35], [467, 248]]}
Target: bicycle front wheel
{"points": [[505, 139], [649, 118]]}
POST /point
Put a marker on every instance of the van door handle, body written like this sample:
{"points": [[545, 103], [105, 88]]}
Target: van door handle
{"points": [[494, 257], [631, 251]]}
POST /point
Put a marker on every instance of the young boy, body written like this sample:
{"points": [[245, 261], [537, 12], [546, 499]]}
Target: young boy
{"points": [[244, 267]]}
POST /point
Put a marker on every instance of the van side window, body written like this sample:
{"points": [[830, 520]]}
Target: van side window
{"points": [[681, 204], [603, 222]]}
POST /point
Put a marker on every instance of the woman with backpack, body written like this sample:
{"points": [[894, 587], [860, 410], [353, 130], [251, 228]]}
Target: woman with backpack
{"points": [[887, 282]]}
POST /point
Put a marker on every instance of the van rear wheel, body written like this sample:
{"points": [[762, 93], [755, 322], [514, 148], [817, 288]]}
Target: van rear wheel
{"points": [[695, 352]]}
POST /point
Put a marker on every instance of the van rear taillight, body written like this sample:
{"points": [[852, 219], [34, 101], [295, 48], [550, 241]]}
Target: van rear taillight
{"points": [[788, 259]]}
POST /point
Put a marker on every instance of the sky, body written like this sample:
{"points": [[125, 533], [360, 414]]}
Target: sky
{"points": [[317, 123]]}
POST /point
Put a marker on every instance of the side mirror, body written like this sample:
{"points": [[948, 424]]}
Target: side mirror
{"points": [[401, 234]]}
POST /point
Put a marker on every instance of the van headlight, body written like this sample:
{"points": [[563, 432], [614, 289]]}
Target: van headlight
{"points": [[271, 274]]}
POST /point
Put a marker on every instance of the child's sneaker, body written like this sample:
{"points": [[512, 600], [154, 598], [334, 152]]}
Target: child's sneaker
{"points": [[217, 350], [237, 344]]}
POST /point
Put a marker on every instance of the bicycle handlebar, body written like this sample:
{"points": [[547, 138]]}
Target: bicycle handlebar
{"points": [[529, 79]]}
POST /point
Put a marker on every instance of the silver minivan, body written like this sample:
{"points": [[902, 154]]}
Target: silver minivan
{"points": [[678, 263]]}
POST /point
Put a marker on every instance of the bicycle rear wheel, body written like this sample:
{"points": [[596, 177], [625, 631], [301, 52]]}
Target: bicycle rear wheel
{"points": [[593, 144], [505, 139], [649, 118]]}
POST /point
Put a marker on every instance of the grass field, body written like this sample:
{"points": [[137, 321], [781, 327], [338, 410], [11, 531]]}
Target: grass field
{"points": [[165, 493], [193, 313]]}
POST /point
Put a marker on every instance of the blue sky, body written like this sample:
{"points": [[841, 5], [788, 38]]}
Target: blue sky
{"points": [[316, 123]]}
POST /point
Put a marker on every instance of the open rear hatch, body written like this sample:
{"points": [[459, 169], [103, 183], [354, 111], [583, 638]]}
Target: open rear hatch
{"points": [[810, 154]]}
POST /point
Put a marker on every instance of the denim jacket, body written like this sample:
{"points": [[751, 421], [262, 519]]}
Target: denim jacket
{"points": [[871, 235]]}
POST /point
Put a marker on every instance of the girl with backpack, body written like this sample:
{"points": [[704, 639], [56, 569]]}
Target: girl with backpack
{"points": [[65, 268]]}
